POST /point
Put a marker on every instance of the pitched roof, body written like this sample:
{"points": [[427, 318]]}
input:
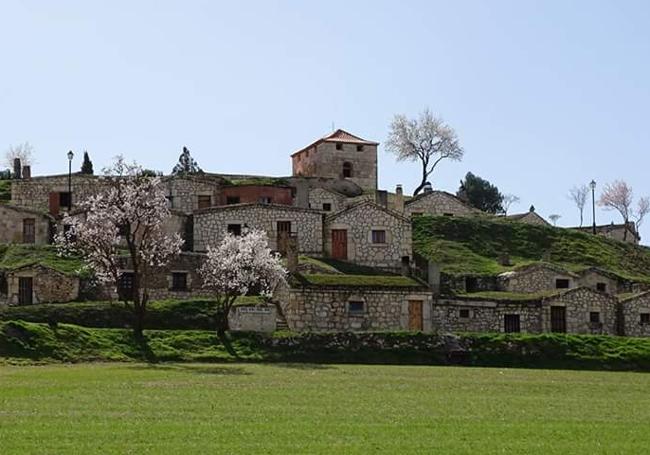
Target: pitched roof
{"points": [[440, 192], [338, 136], [520, 216], [352, 207], [564, 292], [219, 208], [529, 268]]}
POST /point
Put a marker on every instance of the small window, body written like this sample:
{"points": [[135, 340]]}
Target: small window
{"points": [[230, 200], [378, 236], [464, 313], [29, 230], [265, 200], [339, 146], [347, 169], [644, 318], [511, 323], [179, 281], [594, 317], [561, 283], [205, 201], [234, 229], [327, 207], [359, 148], [471, 284], [170, 201], [65, 199], [125, 286], [602, 287], [355, 307]]}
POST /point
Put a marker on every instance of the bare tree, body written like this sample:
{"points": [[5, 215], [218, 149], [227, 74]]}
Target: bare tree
{"points": [[507, 201], [23, 151], [427, 139], [578, 195], [554, 218], [619, 196]]}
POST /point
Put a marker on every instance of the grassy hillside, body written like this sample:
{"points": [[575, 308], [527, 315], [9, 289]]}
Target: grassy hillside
{"points": [[14, 256], [473, 246]]}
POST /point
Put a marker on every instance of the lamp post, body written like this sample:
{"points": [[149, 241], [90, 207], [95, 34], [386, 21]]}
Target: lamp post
{"points": [[592, 185], [70, 156]]}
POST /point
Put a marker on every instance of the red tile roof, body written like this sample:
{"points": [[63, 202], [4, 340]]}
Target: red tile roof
{"points": [[338, 136]]}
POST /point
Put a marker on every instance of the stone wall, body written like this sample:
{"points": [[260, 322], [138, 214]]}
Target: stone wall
{"points": [[632, 309], [253, 318], [594, 279], [328, 309], [247, 194], [183, 191], [534, 279], [12, 220], [438, 203], [320, 196], [457, 315], [579, 303], [49, 286], [359, 221], [211, 226]]}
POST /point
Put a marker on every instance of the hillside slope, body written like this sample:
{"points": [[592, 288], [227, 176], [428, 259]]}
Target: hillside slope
{"points": [[473, 246]]}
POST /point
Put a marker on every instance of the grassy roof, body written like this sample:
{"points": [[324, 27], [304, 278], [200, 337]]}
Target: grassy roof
{"points": [[378, 281], [507, 296], [16, 256], [473, 245], [276, 181]]}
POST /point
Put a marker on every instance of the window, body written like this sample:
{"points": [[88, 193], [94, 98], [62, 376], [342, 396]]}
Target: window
{"points": [[378, 236], [448, 214], [265, 200], [464, 313], [347, 169], [602, 287], [234, 229], [205, 201], [125, 286], [230, 200], [327, 207], [179, 281], [471, 284], [29, 230], [170, 201], [355, 307], [65, 199], [511, 323], [594, 317], [561, 283], [644, 318], [339, 146], [359, 148], [4, 286]]}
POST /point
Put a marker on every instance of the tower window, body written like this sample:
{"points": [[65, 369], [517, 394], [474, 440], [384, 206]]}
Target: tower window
{"points": [[347, 169], [339, 146], [359, 148]]}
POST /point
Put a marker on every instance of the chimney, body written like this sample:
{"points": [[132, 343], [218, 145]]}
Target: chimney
{"points": [[292, 253], [27, 172], [427, 188], [399, 199], [17, 168], [381, 197]]}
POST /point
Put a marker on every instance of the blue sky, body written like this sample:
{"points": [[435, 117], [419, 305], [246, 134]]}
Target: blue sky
{"points": [[544, 95]]}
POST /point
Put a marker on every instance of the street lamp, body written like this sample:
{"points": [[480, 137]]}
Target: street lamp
{"points": [[70, 156], [592, 185]]}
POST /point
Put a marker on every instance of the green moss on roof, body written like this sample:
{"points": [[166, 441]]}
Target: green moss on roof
{"points": [[16, 256], [507, 296], [360, 280], [473, 245], [275, 181], [5, 190]]}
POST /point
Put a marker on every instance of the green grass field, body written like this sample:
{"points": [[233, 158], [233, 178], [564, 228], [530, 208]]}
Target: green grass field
{"points": [[301, 408]]}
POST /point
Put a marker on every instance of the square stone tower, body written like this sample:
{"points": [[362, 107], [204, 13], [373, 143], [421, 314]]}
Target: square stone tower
{"points": [[339, 155]]}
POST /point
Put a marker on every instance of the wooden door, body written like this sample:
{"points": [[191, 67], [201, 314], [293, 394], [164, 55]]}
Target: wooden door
{"points": [[283, 232], [558, 319], [54, 204], [29, 230], [25, 289], [511, 323], [415, 315], [339, 244]]}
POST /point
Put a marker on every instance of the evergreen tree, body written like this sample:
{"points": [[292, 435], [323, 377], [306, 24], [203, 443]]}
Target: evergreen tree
{"points": [[186, 164], [480, 193], [87, 165]]}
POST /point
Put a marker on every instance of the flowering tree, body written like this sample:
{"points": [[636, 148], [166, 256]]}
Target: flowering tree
{"points": [[130, 211], [239, 265], [619, 196]]}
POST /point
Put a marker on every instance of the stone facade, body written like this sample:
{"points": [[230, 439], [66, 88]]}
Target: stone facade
{"points": [[438, 203], [188, 193], [361, 225], [211, 226], [356, 309], [48, 285], [581, 304], [601, 281], [536, 278], [250, 194], [253, 318], [339, 155], [459, 315], [21, 225], [326, 201], [636, 315]]}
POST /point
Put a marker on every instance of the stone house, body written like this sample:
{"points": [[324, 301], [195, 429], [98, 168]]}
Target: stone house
{"points": [[32, 284], [325, 200], [339, 155], [621, 232], [356, 308], [24, 225], [581, 311], [191, 192], [278, 221], [370, 235], [635, 311], [530, 217], [601, 280], [438, 203], [538, 277], [250, 194]]}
